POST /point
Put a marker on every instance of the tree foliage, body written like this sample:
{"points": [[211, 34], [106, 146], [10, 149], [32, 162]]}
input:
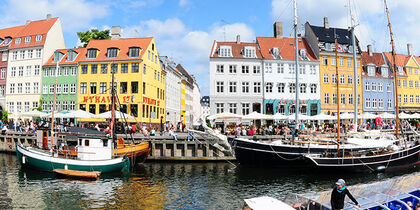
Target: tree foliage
{"points": [[5, 115], [85, 37]]}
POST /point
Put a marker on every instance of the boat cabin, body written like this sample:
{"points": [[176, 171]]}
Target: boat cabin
{"points": [[94, 148], [43, 138]]}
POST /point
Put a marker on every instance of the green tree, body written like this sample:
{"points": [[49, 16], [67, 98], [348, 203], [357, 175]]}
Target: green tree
{"points": [[4, 115], [85, 37], [39, 108]]}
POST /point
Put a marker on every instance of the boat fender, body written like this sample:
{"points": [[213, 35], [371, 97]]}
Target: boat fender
{"points": [[381, 168], [66, 167], [23, 160]]}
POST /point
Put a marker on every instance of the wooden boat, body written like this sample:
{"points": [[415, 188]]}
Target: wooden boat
{"points": [[137, 153], [78, 174]]}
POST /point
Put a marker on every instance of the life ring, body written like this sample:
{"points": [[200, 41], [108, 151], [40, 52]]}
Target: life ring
{"points": [[10, 146]]}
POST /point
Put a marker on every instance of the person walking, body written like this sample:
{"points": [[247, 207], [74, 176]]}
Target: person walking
{"points": [[339, 193]]}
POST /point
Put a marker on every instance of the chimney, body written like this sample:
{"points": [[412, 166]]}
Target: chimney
{"points": [[115, 32], [48, 16], [326, 25], [369, 49], [410, 49], [238, 39], [27, 22], [278, 30]]}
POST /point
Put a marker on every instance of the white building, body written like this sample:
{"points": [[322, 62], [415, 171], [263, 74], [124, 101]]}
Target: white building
{"points": [[205, 106], [196, 104], [173, 90], [31, 48], [235, 77], [279, 76]]}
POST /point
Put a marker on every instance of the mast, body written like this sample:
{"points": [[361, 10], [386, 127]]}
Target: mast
{"points": [[297, 106], [55, 92], [337, 91], [397, 120], [356, 98], [113, 106]]}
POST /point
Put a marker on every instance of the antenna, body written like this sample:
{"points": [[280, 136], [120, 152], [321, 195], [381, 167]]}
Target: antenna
{"points": [[224, 29]]}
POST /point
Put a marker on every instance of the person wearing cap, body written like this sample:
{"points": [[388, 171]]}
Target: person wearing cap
{"points": [[339, 193]]}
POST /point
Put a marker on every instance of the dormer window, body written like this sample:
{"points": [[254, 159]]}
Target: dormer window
{"points": [[400, 70], [91, 53], [7, 41], [17, 41], [275, 52], [133, 52], [27, 39], [38, 38], [112, 52], [57, 56], [371, 70], [249, 52], [225, 51], [71, 55], [302, 53], [384, 71]]}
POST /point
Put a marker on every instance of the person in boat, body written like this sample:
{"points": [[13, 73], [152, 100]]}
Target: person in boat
{"points": [[339, 193]]}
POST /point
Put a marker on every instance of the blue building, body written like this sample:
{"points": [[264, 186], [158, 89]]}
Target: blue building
{"points": [[378, 83]]}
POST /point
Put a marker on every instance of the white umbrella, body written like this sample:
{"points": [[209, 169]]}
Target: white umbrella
{"points": [[279, 116], [368, 115], [118, 115], [33, 113], [257, 116], [78, 114], [301, 117], [415, 116], [404, 115], [225, 115], [387, 115], [346, 116], [56, 115], [323, 116]]}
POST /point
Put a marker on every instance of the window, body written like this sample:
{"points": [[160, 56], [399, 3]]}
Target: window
{"points": [[133, 52], [367, 103], [65, 88], [245, 108], [144, 87], [30, 54], [325, 61], [71, 55], [257, 87], [232, 87], [135, 87], [249, 52], [405, 99], [384, 71], [123, 87], [292, 88], [19, 88], [104, 68], [399, 83], [410, 83], [19, 106], [349, 62], [410, 71], [84, 69], [417, 99], [134, 67], [83, 88], [388, 87], [374, 104], [350, 98], [3, 73], [312, 69], [92, 108], [374, 86], [73, 105], [17, 41], [342, 79], [245, 69], [389, 104], [334, 98], [2, 90], [232, 108], [269, 87], [281, 87], [38, 53], [144, 68], [155, 74], [51, 89], [334, 78], [65, 106], [35, 104], [280, 68], [112, 53], [417, 84], [124, 68], [37, 69], [405, 83], [91, 53], [45, 89], [13, 72], [302, 69], [93, 88], [326, 78], [219, 108], [58, 89], [11, 107], [114, 68], [22, 54], [257, 69], [28, 87], [38, 38], [27, 39], [65, 71], [302, 88], [219, 87], [358, 99], [333, 61], [313, 88], [399, 98], [225, 51], [94, 68], [380, 87], [291, 68], [232, 69], [412, 99], [380, 103], [245, 87], [4, 56], [367, 86], [36, 87], [12, 88], [268, 67], [341, 60], [343, 98], [350, 79]]}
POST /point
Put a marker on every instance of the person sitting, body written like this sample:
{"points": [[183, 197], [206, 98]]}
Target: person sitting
{"points": [[173, 134], [191, 135], [152, 132]]}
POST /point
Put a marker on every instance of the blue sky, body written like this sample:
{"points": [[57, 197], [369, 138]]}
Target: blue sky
{"points": [[185, 29]]}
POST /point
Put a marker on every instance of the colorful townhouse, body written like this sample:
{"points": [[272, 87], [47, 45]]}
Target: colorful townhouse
{"points": [[279, 75], [322, 42], [6, 38], [187, 113], [407, 80], [139, 79], [378, 83], [29, 50], [66, 89], [236, 78]]}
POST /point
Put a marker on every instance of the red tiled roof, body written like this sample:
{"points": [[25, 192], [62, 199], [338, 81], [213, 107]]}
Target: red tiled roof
{"points": [[122, 44], [400, 60], [286, 47], [236, 48], [376, 58], [9, 32], [33, 28], [81, 55]]}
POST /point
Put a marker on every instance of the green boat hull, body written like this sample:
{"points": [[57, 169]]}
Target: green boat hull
{"points": [[28, 160]]}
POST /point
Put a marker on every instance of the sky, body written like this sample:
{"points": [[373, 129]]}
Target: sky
{"points": [[185, 29]]}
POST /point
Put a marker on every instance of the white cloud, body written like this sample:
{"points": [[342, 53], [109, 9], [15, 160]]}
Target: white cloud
{"points": [[74, 14], [183, 3]]}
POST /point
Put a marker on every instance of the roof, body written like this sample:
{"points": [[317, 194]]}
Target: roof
{"points": [[400, 60], [376, 58], [286, 47], [122, 44], [33, 28], [327, 35], [80, 51], [236, 48], [184, 72], [9, 32]]}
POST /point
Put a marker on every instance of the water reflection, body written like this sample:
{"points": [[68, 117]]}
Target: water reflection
{"points": [[162, 186]]}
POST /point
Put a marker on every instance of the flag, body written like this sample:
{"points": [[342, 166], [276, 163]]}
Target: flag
{"points": [[340, 48]]}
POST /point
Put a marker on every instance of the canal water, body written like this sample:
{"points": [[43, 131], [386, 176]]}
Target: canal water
{"points": [[163, 186]]}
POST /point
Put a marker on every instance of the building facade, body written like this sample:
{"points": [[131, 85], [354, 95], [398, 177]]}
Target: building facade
{"points": [[187, 90], [235, 78], [173, 90], [322, 42], [139, 79], [205, 106], [280, 76], [378, 83], [66, 88], [31, 48]]}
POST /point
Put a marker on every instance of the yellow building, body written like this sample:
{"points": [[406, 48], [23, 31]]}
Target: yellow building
{"points": [[407, 81], [322, 42], [139, 79]]}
